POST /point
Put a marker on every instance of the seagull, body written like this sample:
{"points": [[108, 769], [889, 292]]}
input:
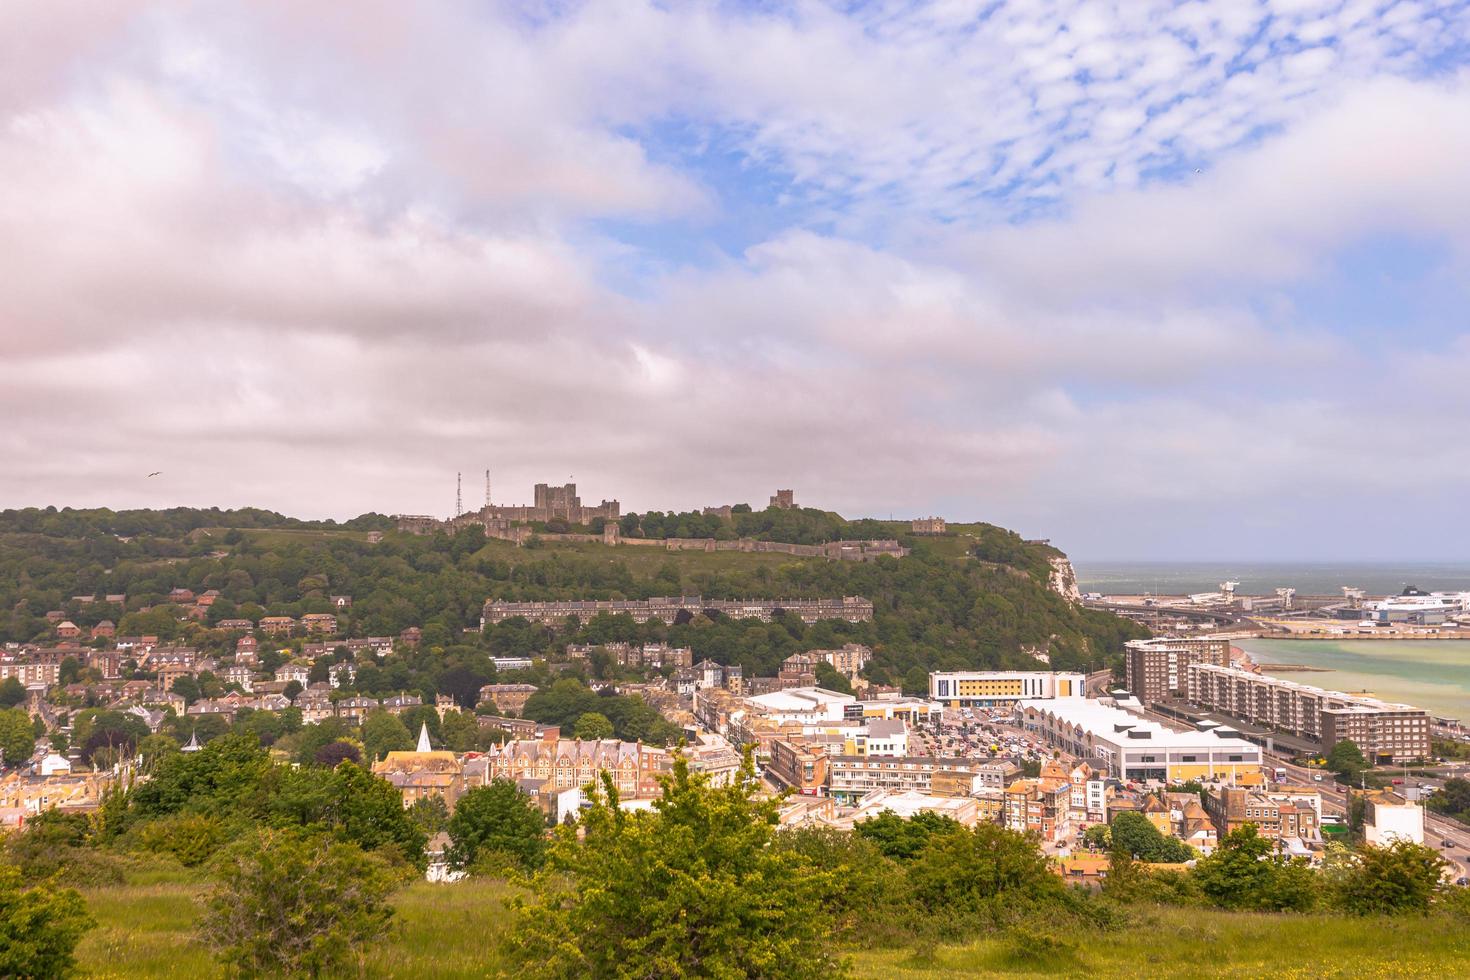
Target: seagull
{"points": [[155, 473]]}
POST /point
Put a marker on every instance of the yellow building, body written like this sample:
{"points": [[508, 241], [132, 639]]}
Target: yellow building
{"points": [[984, 688], [423, 773]]}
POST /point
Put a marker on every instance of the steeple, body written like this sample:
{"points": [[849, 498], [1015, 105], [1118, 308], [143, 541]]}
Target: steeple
{"points": [[424, 737]]}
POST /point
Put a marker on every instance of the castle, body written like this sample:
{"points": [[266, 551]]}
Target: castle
{"points": [[550, 503]]}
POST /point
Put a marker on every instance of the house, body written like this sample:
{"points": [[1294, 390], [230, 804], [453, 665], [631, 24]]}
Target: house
{"points": [[300, 673], [342, 601], [180, 596], [68, 630], [277, 625], [323, 623], [246, 648], [239, 674], [423, 773], [356, 707], [104, 630], [315, 707], [399, 703], [234, 624], [342, 673], [411, 637], [507, 697], [207, 599]]}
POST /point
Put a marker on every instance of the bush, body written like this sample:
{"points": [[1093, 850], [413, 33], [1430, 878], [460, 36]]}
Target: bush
{"points": [[1402, 878], [296, 903], [192, 838], [1038, 947], [39, 927], [868, 902]]}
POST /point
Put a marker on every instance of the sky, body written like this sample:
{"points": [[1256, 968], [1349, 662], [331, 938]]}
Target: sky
{"points": [[1155, 280]]}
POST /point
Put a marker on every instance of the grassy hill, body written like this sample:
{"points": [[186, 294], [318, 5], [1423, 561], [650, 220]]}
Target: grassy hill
{"points": [[449, 931]]}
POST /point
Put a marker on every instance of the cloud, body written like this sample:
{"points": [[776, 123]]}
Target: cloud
{"points": [[319, 260]]}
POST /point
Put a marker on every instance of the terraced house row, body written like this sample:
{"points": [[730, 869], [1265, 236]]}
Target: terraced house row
{"points": [[853, 609]]}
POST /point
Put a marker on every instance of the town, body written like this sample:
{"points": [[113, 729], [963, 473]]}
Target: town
{"points": [[474, 704]]}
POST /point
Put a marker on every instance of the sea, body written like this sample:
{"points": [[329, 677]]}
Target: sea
{"points": [[1264, 578], [1430, 674]]}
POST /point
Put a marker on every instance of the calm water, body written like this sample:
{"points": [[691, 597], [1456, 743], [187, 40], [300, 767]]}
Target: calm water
{"points": [[1430, 674], [1263, 578]]}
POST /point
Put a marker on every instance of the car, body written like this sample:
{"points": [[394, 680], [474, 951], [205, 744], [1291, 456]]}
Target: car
{"points": [[1462, 882], [1318, 777], [1446, 843], [1398, 782]]}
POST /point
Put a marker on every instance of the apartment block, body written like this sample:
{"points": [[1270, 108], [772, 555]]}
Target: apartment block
{"points": [[1158, 669], [1384, 731]]}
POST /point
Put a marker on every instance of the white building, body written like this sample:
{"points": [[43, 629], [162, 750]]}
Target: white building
{"points": [[802, 705], [1388, 817], [1133, 747]]}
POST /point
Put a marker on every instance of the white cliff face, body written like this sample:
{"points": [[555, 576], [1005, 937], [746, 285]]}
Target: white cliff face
{"points": [[1064, 579]]}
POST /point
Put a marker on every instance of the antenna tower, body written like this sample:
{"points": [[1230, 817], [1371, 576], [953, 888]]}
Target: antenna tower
{"points": [[458, 494], [487, 488]]}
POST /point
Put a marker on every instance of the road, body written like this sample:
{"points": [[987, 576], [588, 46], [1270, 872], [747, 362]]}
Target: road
{"points": [[1437, 829]]}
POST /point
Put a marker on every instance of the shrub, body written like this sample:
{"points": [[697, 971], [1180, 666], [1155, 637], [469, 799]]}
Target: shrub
{"points": [[39, 927], [290, 902], [192, 838]]}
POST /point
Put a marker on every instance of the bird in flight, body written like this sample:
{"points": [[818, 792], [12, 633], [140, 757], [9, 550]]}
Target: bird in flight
{"points": [[155, 473]]}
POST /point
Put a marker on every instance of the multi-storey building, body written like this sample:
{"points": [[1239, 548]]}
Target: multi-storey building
{"points": [[853, 609], [799, 765], [981, 688], [1134, 748], [1384, 731], [570, 763], [507, 697], [1232, 807], [928, 526], [853, 776], [1039, 806], [1157, 669]]}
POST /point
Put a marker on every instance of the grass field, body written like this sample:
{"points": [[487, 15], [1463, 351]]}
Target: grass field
{"points": [[450, 931]]}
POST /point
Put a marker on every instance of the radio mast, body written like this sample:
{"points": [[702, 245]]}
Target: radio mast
{"points": [[487, 488], [458, 494]]}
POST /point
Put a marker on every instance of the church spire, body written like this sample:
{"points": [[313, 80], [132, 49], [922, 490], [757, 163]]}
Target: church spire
{"points": [[424, 737]]}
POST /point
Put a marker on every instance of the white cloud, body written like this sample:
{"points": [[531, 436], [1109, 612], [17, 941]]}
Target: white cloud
{"points": [[318, 260]]}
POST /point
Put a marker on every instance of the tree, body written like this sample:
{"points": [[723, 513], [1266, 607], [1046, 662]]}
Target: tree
{"points": [[693, 887], [1347, 760], [982, 876], [1098, 836], [332, 753], [901, 839], [497, 819], [429, 814], [829, 678], [12, 692], [592, 725], [1146, 842], [17, 737], [39, 927], [384, 732], [292, 689], [1245, 873], [1401, 878], [294, 902]]}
